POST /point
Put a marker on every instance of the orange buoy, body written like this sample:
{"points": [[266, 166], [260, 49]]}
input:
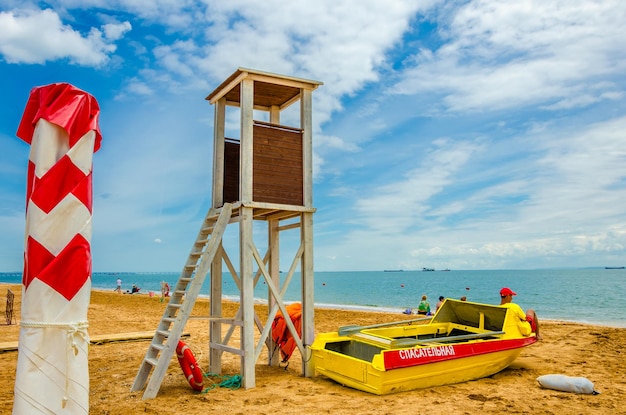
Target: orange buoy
{"points": [[190, 367]]}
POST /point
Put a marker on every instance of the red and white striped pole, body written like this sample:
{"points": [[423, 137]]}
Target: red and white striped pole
{"points": [[60, 123]]}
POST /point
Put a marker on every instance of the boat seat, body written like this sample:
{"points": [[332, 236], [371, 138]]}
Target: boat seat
{"points": [[396, 344]]}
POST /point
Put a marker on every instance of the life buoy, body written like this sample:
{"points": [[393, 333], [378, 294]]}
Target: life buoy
{"points": [[190, 367]]}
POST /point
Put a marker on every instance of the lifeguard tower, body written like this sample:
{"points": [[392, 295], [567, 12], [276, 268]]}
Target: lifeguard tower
{"points": [[264, 175]]}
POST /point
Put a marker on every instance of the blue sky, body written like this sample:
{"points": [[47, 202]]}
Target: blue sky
{"points": [[470, 134]]}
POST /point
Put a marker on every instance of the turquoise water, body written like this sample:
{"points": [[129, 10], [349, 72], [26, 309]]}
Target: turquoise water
{"points": [[582, 295]]}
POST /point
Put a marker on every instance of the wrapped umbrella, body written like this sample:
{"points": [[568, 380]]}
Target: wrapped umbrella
{"points": [[60, 123]]}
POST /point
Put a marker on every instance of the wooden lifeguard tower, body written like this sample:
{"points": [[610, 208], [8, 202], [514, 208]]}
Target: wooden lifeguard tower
{"points": [[264, 175]]}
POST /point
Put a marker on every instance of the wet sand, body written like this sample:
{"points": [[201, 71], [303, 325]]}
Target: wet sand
{"points": [[594, 352]]}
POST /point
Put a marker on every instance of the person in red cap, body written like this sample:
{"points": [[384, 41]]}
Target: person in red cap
{"points": [[529, 323]]}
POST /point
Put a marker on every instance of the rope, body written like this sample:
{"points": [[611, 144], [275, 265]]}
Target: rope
{"points": [[73, 329], [230, 382]]}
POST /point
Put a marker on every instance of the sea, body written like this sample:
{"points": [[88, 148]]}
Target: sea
{"points": [[593, 296]]}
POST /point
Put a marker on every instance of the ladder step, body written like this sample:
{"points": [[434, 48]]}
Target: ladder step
{"points": [[151, 361], [186, 279], [169, 319], [190, 267], [165, 333], [173, 305], [202, 242], [157, 346]]}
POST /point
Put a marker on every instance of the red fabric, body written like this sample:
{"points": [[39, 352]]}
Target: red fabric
{"points": [[62, 178], [66, 273], [30, 180], [533, 323], [77, 113], [36, 257], [64, 105]]}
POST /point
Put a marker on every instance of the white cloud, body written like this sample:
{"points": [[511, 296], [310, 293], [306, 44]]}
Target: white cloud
{"points": [[137, 87], [37, 36], [498, 54], [416, 189], [115, 31]]}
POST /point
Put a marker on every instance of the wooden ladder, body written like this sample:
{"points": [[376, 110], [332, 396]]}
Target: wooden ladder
{"points": [[182, 301]]}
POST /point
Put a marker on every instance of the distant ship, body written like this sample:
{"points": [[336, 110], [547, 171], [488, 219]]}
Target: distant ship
{"points": [[428, 269], [393, 270], [613, 267]]}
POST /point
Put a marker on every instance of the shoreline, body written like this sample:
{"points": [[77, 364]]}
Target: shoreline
{"points": [[346, 307], [383, 292], [375, 309], [318, 306]]}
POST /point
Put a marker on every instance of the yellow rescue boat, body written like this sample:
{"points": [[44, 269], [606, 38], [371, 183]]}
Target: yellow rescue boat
{"points": [[463, 341]]}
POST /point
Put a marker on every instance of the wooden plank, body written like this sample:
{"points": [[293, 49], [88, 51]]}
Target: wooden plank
{"points": [[246, 147], [246, 243], [99, 339], [231, 171], [307, 278], [219, 141], [402, 343], [273, 248], [306, 122], [125, 337], [290, 199], [379, 341], [275, 124], [282, 80], [285, 169], [278, 154], [230, 83], [347, 330]]}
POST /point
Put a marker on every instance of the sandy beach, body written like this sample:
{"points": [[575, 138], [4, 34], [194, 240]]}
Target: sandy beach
{"points": [[572, 349]]}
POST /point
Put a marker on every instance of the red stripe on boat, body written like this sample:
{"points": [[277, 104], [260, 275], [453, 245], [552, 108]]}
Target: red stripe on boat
{"points": [[396, 359]]}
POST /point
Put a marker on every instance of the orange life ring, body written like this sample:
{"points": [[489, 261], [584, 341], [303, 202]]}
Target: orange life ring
{"points": [[190, 367]]}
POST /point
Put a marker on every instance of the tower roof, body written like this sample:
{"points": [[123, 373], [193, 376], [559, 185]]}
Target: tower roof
{"points": [[269, 89]]}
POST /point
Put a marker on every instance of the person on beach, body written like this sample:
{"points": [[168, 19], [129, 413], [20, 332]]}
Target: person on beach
{"points": [[423, 307], [118, 289], [134, 290], [529, 323], [165, 290], [440, 302]]}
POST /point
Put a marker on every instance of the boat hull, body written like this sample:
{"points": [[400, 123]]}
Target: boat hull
{"points": [[458, 367], [404, 358]]}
